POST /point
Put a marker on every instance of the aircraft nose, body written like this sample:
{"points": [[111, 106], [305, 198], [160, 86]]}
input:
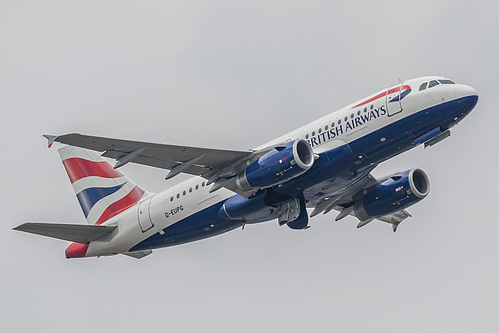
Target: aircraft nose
{"points": [[467, 98], [465, 91]]}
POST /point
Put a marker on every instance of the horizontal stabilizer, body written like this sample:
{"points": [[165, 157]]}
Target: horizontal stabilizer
{"points": [[78, 233]]}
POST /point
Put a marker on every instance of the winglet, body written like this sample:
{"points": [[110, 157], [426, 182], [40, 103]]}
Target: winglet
{"points": [[51, 139]]}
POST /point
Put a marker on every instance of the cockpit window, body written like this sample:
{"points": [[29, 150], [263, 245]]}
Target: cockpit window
{"points": [[433, 83], [423, 86], [446, 82]]}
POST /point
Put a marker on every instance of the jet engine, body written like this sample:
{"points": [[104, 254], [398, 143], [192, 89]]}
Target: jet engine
{"points": [[264, 206], [250, 210], [277, 166], [397, 193]]}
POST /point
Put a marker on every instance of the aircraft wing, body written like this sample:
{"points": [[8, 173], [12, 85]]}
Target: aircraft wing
{"points": [[212, 164], [79, 233]]}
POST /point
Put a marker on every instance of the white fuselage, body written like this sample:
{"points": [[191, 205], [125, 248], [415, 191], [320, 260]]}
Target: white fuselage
{"points": [[160, 211]]}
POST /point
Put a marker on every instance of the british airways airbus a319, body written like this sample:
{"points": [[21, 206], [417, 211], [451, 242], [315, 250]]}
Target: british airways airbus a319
{"points": [[325, 165]]}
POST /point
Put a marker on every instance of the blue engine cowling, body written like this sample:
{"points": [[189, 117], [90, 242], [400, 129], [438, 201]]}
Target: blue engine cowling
{"points": [[265, 206], [251, 210], [277, 166], [397, 193]]}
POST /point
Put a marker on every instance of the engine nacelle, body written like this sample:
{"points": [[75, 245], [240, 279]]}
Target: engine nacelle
{"points": [[250, 210], [277, 166], [397, 193]]}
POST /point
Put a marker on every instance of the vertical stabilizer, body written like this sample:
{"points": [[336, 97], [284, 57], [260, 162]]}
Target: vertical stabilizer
{"points": [[102, 191]]}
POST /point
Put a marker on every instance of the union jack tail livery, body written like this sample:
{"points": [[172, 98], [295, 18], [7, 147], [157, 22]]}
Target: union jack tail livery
{"points": [[102, 191]]}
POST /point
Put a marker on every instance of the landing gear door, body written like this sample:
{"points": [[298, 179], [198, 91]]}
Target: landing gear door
{"points": [[144, 217], [289, 211], [393, 100]]}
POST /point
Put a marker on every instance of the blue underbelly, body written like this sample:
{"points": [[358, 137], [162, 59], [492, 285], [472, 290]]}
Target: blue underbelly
{"points": [[200, 225]]}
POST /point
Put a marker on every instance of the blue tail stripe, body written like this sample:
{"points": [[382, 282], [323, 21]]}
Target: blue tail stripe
{"points": [[90, 196]]}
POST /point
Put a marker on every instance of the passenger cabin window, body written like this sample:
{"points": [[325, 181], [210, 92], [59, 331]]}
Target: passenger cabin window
{"points": [[433, 83], [325, 128], [320, 130], [306, 136], [446, 82], [423, 86]]}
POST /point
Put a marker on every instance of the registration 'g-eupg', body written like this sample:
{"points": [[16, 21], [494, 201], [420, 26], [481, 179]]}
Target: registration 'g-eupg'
{"points": [[323, 166]]}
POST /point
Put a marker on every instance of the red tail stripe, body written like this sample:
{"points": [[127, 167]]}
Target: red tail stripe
{"points": [[77, 250], [114, 209], [391, 91], [78, 168]]}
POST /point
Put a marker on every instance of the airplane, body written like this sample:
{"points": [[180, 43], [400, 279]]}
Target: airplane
{"points": [[323, 166]]}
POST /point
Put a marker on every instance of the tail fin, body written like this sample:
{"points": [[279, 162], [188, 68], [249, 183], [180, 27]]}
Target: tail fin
{"points": [[102, 191]]}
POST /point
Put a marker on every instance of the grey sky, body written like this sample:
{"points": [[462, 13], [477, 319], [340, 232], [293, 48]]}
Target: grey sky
{"points": [[231, 75]]}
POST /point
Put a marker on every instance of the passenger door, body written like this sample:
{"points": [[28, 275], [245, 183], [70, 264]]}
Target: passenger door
{"points": [[393, 100], [144, 217]]}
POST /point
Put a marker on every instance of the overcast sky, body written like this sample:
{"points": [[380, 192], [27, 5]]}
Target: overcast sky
{"points": [[232, 74]]}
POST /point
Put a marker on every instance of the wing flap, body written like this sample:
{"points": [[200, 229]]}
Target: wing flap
{"points": [[79, 233], [395, 218]]}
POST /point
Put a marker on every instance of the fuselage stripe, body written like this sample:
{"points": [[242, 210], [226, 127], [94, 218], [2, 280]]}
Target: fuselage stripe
{"points": [[391, 91]]}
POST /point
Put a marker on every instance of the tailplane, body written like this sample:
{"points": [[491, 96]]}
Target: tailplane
{"points": [[78, 233], [102, 191]]}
